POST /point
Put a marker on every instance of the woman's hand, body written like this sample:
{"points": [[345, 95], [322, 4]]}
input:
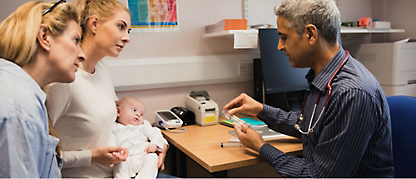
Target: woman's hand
{"points": [[245, 104], [105, 155], [161, 157]]}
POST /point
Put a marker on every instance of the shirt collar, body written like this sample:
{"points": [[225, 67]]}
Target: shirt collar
{"points": [[321, 80]]}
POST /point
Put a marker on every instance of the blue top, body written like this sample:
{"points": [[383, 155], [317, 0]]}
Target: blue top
{"points": [[27, 149], [352, 138]]}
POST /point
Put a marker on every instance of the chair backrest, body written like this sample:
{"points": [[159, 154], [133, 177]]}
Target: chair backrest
{"points": [[403, 123]]}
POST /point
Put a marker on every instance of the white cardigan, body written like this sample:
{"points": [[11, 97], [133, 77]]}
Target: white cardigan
{"points": [[83, 114]]}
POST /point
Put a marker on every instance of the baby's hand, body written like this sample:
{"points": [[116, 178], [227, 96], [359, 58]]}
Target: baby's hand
{"points": [[117, 154], [151, 148]]}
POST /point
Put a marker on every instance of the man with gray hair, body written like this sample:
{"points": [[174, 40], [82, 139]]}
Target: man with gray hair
{"points": [[345, 120]]}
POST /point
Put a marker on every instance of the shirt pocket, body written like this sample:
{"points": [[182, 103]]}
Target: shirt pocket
{"points": [[52, 161]]}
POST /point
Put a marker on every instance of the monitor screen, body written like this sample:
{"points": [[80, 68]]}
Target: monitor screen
{"points": [[278, 75]]}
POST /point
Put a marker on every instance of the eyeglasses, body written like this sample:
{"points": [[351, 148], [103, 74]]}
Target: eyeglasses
{"points": [[53, 7]]}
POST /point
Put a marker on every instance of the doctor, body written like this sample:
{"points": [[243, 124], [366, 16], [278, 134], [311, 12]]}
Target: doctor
{"points": [[345, 121]]}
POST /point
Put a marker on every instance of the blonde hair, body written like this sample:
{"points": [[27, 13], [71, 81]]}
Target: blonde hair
{"points": [[18, 33], [103, 9]]}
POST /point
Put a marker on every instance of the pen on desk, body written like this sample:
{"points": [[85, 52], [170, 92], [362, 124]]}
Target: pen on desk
{"points": [[234, 144]]}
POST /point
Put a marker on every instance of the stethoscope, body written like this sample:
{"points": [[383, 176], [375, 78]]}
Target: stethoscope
{"points": [[328, 86]]}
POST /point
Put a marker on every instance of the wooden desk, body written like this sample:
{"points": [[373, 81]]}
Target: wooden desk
{"points": [[202, 145]]}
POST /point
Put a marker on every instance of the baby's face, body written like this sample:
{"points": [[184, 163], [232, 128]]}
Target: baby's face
{"points": [[131, 112]]}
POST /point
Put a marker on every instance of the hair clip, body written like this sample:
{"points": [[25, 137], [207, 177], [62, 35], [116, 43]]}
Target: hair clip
{"points": [[53, 7]]}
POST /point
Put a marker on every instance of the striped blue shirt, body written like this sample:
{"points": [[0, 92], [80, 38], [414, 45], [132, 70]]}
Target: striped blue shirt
{"points": [[353, 136]]}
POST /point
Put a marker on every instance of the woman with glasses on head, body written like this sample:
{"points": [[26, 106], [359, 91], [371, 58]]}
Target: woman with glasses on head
{"points": [[39, 44], [83, 113]]}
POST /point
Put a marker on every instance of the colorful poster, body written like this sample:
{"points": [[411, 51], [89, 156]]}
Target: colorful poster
{"points": [[153, 15]]}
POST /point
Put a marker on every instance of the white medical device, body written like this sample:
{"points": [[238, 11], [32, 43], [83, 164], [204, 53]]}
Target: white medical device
{"points": [[167, 119], [205, 109], [393, 64]]}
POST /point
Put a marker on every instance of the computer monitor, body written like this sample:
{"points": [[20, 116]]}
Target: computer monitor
{"points": [[284, 85], [279, 76]]}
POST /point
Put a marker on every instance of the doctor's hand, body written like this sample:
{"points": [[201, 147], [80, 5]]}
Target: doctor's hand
{"points": [[245, 104], [249, 137], [105, 155]]}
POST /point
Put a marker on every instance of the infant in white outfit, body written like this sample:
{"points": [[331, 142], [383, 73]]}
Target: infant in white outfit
{"points": [[141, 139]]}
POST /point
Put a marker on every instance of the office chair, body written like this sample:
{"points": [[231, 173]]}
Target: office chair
{"points": [[403, 124]]}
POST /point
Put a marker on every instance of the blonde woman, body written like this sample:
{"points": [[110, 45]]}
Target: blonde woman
{"points": [[84, 112], [39, 44]]}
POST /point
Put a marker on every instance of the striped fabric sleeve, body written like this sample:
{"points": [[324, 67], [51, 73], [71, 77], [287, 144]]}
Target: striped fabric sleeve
{"points": [[280, 120], [349, 125]]}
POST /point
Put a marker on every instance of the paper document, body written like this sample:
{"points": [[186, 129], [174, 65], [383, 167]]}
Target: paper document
{"points": [[265, 132], [245, 40], [406, 40]]}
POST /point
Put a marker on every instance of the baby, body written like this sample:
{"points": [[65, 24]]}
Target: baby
{"points": [[139, 137]]}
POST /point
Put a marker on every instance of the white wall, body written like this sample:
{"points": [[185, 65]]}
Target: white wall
{"points": [[401, 14], [353, 10], [193, 16], [261, 11]]}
